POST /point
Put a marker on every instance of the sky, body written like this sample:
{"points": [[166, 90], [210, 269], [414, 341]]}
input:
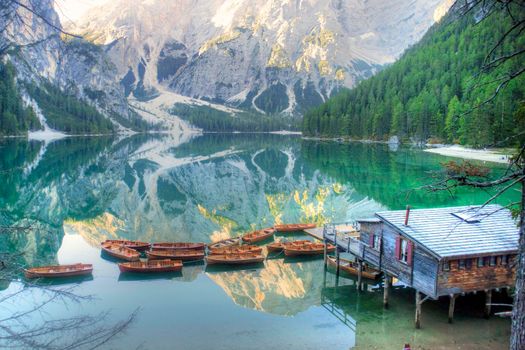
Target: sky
{"points": [[74, 9]]}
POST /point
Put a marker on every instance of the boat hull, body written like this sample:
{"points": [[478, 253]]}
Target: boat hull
{"points": [[230, 242], [122, 253], [231, 259], [308, 251], [235, 250], [178, 246], [151, 266], [258, 236], [351, 269], [136, 245], [59, 271], [185, 255], [279, 246]]}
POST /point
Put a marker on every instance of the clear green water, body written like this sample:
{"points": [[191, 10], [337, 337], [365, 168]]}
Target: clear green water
{"points": [[76, 192]]}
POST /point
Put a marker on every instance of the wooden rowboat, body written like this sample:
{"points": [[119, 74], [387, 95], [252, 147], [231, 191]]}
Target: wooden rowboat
{"points": [[229, 242], [352, 267], [178, 245], [279, 246], [178, 254], [235, 259], [236, 250], [137, 245], [293, 227], [121, 252], [59, 271], [257, 236], [151, 266], [307, 249]]}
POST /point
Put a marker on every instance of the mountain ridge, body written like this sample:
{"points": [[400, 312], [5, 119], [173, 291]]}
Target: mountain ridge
{"points": [[237, 52]]}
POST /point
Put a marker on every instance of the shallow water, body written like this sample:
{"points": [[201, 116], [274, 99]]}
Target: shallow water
{"points": [[76, 192]]}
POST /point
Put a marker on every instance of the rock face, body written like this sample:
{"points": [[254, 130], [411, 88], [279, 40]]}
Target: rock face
{"points": [[268, 55], [76, 66]]}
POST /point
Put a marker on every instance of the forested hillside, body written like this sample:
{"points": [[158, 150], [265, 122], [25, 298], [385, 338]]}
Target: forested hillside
{"points": [[213, 120], [426, 93], [65, 112], [15, 119]]}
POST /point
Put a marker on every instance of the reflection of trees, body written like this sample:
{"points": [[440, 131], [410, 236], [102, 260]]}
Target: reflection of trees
{"points": [[387, 177]]}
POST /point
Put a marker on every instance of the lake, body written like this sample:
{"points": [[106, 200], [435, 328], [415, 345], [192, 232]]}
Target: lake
{"points": [[75, 192]]}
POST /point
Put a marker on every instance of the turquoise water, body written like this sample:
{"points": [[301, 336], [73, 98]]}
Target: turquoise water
{"points": [[75, 192]]}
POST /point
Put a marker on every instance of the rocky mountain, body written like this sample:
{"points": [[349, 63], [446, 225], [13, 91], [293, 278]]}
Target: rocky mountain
{"points": [[267, 55], [42, 55]]}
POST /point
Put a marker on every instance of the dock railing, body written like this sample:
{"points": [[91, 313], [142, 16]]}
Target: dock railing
{"points": [[345, 236]]}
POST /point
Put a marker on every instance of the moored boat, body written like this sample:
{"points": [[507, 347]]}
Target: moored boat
{"points": [[279, 246], [119, 251], [178, 245], [235, 259], [257, 236], [178, 254], [293, 227], [59, 271], [307, 249], [151, 266], [352, 268], [236, 249], [229, 242], [137, 245]]}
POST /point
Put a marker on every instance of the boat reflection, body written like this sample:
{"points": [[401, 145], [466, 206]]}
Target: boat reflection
{"points": [[233, 268], [61, 281], [127, 277]]}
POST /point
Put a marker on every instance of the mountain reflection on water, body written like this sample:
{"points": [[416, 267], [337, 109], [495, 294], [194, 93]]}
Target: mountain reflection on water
{"points": [[162, 188]]}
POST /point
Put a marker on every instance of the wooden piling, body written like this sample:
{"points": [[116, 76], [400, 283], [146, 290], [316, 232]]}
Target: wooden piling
{"points": [[451, 307], [337, 262], [418, 310], [488, 302], [359, 275], [324, 277], [325, 252], [386, 290]]}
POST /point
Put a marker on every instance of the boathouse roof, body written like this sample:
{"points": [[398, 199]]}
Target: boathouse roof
{"points": [[458, 231]]}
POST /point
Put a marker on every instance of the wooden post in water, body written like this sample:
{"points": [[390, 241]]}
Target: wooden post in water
{"points": [[360, 275], [451, 306], [418, 310], [325, 252], [337, 262], [386, 290], [488, 301], [324, 277]]}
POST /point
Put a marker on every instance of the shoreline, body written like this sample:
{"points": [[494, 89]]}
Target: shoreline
{"points": [[486, 155], [41, 136]]}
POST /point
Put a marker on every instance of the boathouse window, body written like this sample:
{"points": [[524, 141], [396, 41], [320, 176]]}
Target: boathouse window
{"points": [[377, 242], [492, 261], [461, 264], [468, 263], [404, 250], [481, 262], [374, 241], [504, 259], [446, 265]]}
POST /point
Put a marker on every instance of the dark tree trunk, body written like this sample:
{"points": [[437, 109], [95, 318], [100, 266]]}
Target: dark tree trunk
{"points": [[517, 337]]}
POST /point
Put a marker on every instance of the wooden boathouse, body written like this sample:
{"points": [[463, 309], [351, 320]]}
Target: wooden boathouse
{"points": [[438, 252]]}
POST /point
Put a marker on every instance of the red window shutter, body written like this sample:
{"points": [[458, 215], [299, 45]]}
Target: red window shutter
{"points": [[410, 247], [398, 248], [371, 240]]}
